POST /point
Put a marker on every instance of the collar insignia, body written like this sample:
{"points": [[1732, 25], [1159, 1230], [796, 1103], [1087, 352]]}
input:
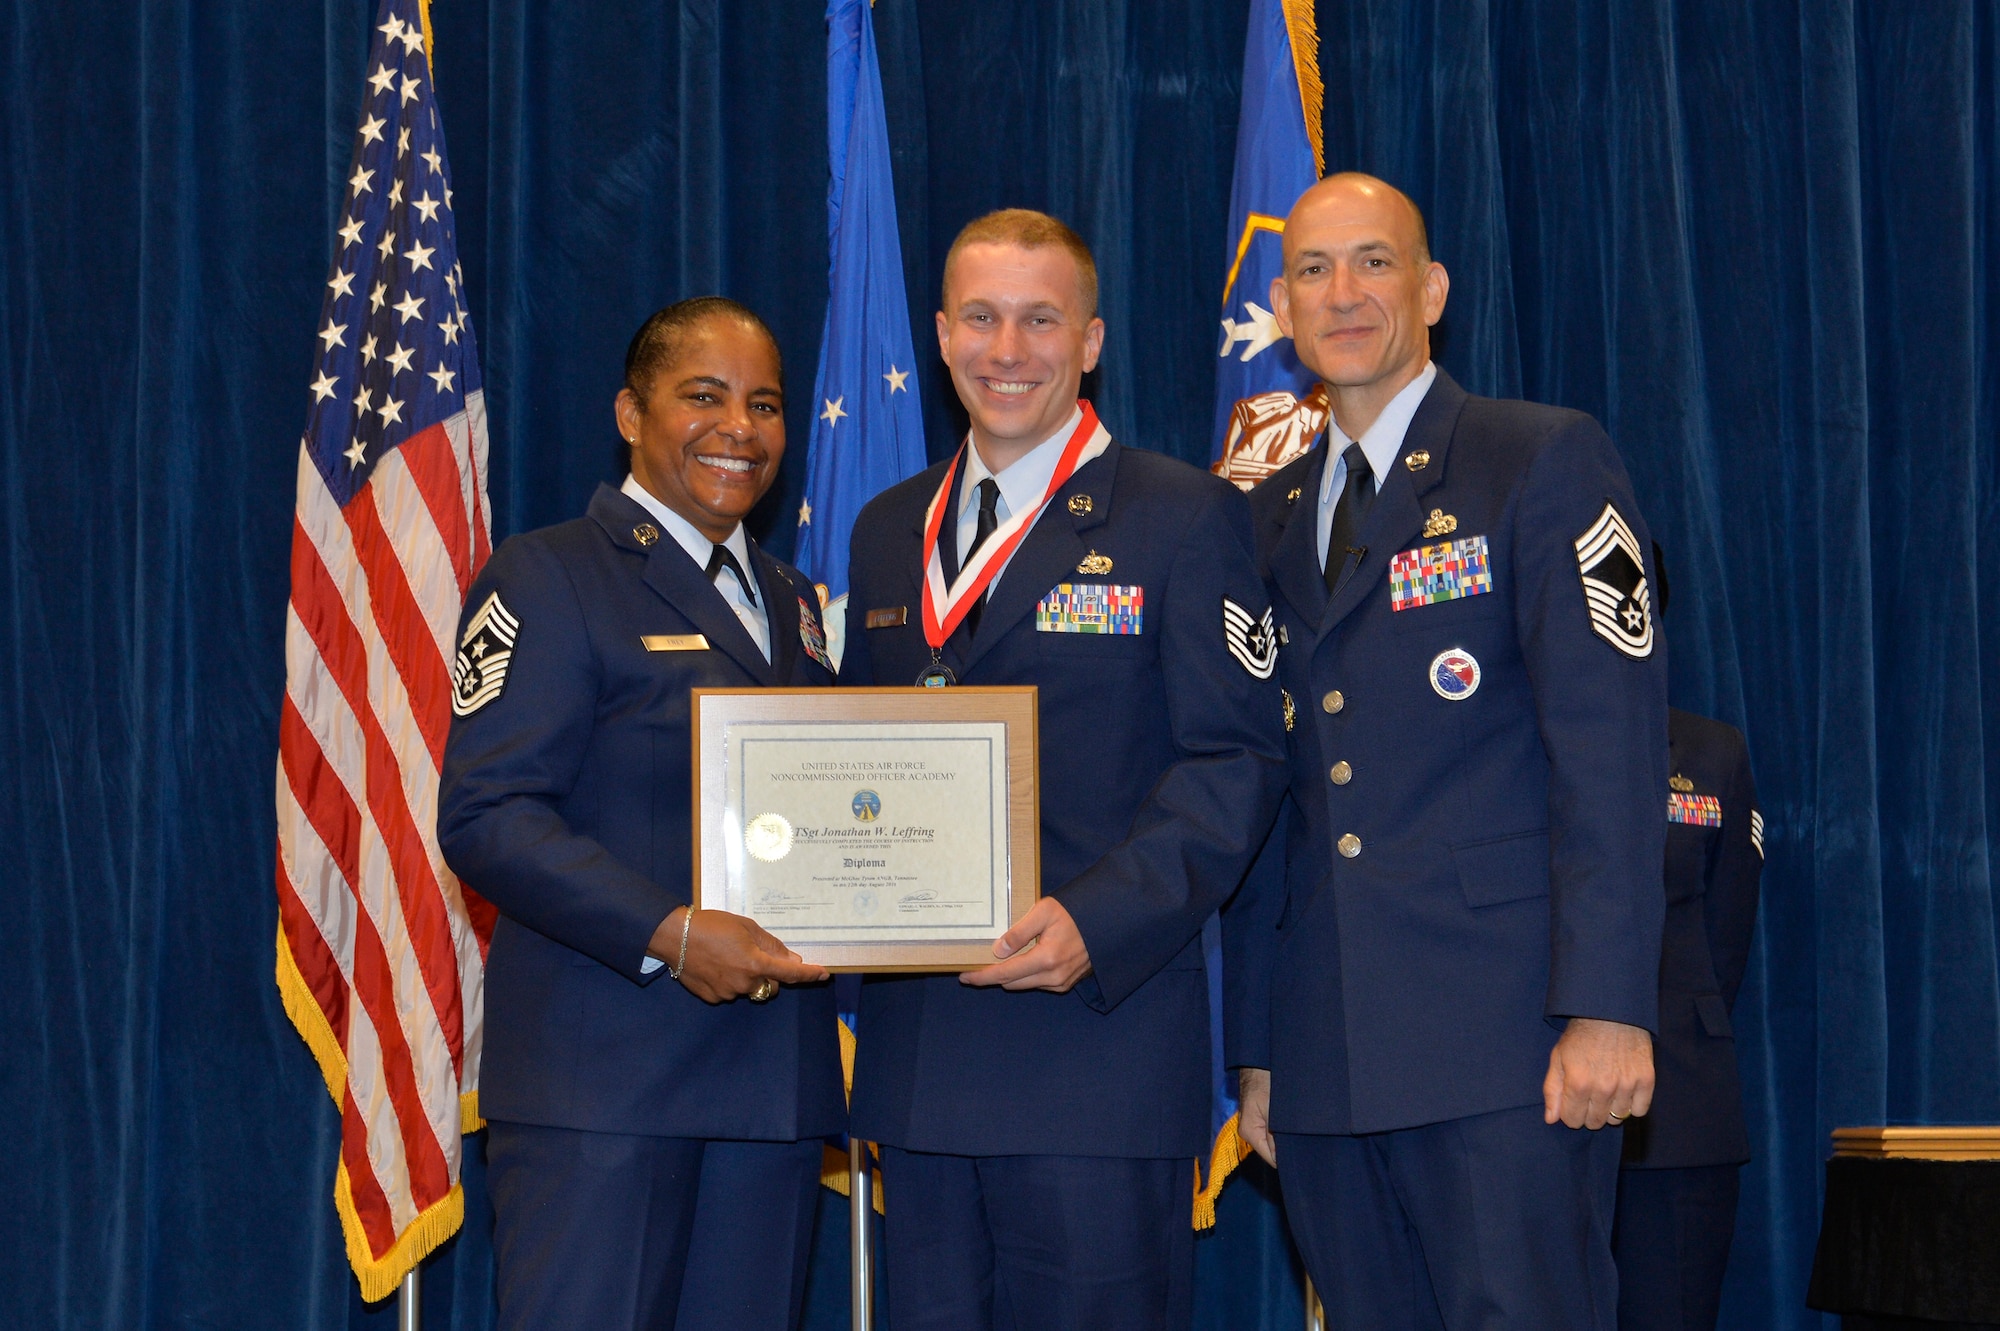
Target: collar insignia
{"points": [[1079, 505], [645, 533], [1418, 460]]}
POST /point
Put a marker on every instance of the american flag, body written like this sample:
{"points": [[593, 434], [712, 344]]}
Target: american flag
{"points": [[381, 952]]}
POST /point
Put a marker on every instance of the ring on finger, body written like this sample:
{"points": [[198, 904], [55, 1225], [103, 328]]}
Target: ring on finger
{"points": [[1615, 1117], [766, 989]]}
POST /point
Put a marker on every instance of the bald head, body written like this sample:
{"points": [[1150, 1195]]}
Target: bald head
{"points": [[1351, 188], [1359, 292]]}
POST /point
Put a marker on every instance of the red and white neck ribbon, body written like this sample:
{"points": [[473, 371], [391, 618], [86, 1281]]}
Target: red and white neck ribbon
{"points": [[945, 608]]}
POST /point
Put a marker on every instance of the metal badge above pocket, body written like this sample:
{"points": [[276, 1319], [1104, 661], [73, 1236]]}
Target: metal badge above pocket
{"points": [[673, 642], [1091, 607], [1448, 571]]}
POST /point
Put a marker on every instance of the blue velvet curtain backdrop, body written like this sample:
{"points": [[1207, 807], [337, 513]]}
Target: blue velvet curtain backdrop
{"points": [[1756, 239]]}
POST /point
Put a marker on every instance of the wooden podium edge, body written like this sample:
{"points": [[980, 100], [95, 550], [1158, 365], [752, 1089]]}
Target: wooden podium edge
{"points": [[1957, 1142]]}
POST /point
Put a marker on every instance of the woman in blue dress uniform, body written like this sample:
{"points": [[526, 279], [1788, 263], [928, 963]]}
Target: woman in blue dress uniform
{"points": [[657, 1080]]}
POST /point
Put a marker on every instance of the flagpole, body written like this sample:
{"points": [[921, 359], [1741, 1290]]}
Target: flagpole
{"points": [[860, 1198], [410, 1302]]}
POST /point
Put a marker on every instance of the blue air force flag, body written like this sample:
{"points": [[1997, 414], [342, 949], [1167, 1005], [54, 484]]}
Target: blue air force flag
{"points": [[1259, 382], [1267, 407], [868, 428]]}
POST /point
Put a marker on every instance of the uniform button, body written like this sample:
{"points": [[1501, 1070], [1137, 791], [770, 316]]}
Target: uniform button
{"points": [[1333, 702], [1341, 773], [1349, 844]]}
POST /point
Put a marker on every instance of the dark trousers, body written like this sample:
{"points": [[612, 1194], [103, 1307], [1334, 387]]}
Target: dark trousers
{"points": [[1037, 1242], [1475, 1224], [1672, 1246], [602, 1230]]}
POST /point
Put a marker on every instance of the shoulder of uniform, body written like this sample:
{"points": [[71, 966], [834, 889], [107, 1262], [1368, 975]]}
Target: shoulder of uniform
{"points": [[1168, 477], [915, 492], [1708, 748], [1524, 429]]}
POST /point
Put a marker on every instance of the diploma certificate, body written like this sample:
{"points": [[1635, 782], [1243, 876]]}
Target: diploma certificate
{"points": [[877, 829]]}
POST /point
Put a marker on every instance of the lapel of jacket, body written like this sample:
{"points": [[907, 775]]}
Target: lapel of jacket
{"points": [[1294, 558], [682, 584], [781, 613], [1048, 554], [1395, 521]]}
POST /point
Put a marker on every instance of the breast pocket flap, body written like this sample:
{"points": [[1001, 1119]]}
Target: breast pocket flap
{"points": [[1513, 868]]}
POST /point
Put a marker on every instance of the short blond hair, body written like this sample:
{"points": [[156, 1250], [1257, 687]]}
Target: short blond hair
{"points": [[1030, 230]]}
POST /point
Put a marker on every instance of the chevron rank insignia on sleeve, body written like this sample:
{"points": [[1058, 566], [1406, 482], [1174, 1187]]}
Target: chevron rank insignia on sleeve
{"points": [[484, 653], [1614, 585], [1253, 642], [1757, 832]]}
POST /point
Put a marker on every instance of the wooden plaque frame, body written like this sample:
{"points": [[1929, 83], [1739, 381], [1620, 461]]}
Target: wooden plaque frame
{"points": [[714, 710]]}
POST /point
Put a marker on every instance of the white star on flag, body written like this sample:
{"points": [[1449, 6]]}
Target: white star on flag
{"points": [[410, 307], [896, 378], [371, 129], [419, 257], [359, 181], [342, 284], [400, 358], [806, 513], [323, 386], [442, 377], [351, 233], [381, 79], [334, 335], [833, 413]]}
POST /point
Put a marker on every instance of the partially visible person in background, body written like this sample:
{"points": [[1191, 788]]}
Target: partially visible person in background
{"points": [[1678, 1184]]}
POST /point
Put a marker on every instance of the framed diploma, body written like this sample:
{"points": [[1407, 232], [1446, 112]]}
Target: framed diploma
{"points": [[870, 829]]}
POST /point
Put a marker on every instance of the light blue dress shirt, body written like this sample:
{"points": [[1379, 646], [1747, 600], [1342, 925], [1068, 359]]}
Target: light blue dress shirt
{"points": [[1022, 485], [1380, 443]]}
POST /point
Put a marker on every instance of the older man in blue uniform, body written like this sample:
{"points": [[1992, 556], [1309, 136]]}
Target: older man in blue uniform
{"points": [[1443, 990], [1040, 1119], [655, 1144]]}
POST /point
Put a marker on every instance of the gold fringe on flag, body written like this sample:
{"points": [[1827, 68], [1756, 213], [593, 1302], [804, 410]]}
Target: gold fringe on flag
{"points": [[379, 1278], [1304, 29], [1230, 1151]]}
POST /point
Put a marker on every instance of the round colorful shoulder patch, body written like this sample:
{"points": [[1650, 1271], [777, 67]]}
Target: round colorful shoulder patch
{"points": [[1455, 675]]}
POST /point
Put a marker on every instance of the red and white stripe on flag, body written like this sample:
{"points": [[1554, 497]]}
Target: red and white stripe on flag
{"points": [[381, 952]]}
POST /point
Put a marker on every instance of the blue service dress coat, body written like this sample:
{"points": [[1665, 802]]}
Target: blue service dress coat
{"points": [[1162, 762], [1715, 862], [566, 802], [1472, 844]]}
